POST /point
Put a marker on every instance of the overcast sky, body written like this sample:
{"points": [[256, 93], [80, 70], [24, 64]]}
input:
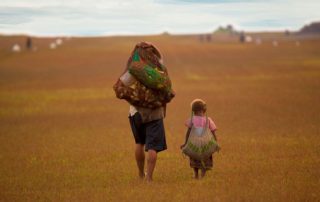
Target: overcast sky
{"points": [[111, 17]]}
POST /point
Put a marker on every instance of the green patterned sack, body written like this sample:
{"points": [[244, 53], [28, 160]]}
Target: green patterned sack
{"points": [[152, 88], [147, 69]]}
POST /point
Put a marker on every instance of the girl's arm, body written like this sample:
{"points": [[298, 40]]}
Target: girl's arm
{"points": [[187, 137], [215, 138], [214, 135]]}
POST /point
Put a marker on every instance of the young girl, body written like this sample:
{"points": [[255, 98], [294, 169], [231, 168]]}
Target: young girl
{"points": [[199, 108]]}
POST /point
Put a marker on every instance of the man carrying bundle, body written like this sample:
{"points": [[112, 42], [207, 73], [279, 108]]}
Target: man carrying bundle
{"points": [[146, 85]]}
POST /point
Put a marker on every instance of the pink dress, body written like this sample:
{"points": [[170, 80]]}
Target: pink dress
{"points": [[200, 121]]}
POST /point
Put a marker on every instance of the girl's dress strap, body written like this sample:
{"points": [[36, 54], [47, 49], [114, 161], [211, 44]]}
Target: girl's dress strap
{"points": [[191, 119], [207, 121]]}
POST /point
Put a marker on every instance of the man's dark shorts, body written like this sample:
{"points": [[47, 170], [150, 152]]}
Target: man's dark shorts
{"points": [[151, 133]]}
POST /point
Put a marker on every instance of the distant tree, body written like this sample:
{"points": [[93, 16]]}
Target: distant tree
{"points": [[230, 29], [165, 33], [226, 30], [313, 28]]}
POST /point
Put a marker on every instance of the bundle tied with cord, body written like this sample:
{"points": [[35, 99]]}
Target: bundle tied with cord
{"points": [[152, 74], [152, 88]]}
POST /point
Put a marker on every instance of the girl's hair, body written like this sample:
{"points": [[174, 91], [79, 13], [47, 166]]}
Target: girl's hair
{"points": [[198, 105]]}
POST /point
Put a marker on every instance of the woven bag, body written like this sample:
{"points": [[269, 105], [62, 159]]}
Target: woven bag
{"points": [[201, 143]]}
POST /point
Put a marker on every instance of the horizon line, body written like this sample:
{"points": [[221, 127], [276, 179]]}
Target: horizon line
{"points": [[144, 34]]}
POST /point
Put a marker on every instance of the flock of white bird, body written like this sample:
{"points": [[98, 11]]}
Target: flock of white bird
{"points": [[52, 45], [258, 41]]}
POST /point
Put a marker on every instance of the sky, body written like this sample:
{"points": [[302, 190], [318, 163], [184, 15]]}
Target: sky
{"points": [[141, 17]]}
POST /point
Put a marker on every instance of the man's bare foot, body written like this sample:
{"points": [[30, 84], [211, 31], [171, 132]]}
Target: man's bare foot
{"points": [[148, 179], [203, 173], [142, 175]]}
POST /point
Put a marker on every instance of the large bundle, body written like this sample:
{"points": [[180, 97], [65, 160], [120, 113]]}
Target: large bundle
{"points": [[200, 144], [154, 76], [152, 86], [146, 66], [139, 95]]}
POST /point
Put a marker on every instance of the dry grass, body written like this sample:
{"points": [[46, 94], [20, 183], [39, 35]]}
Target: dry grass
{"points": [[65, 137]]}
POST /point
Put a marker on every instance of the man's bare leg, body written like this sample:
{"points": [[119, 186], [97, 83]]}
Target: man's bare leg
{"points": [[203, 172], [151, 163], [195, 171], [139, 153]]}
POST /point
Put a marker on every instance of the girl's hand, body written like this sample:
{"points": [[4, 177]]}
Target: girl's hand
{"points": [[218, 148]]}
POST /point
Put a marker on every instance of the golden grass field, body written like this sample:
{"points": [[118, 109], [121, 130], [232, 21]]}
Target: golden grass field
{"points": [[65, 137]]}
